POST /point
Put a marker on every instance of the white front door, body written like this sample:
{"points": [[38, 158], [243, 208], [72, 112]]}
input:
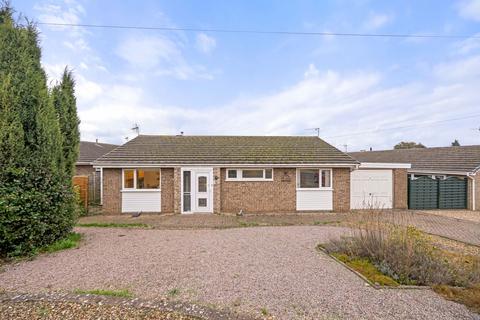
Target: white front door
{"points": [[371, 189], [197, 190]]}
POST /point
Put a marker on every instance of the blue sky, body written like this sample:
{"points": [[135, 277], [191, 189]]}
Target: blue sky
{"points": [[361, 92]]}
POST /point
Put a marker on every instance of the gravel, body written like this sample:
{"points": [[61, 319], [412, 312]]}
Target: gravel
{"points": [[72, 310], [274, 270]]}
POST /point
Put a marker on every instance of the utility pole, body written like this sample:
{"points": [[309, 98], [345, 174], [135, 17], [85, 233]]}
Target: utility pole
{"points": [[346, 147]]}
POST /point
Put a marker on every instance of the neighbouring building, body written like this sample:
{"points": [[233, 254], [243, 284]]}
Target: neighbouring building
{"points": [[89, 152]]}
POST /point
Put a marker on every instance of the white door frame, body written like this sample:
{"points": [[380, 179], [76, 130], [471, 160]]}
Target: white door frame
{"points": [[194, 173]]}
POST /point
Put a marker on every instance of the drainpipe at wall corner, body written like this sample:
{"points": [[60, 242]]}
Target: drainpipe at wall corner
{"points": [[101, 186], [472, 176]]}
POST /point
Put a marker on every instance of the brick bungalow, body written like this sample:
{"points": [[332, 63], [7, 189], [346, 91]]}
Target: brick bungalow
{"points": [[439, 178], [229, 174], [89, 152]]}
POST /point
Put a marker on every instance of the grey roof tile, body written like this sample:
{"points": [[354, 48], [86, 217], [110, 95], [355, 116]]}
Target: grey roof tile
{"points": [[90, 151], [449, 159], [162, 149]]}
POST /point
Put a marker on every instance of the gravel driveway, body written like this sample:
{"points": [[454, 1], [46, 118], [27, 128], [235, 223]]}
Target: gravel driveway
{"points": [[271, 269]]}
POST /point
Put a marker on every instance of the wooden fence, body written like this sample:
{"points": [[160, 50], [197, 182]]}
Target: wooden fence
{"points": [[80, 183]]}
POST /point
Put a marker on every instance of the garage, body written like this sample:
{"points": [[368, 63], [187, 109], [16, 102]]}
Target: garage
{"points": [[371, 189], [443, 177]]}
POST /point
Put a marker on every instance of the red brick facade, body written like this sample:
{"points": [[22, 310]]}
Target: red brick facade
{"points": [[277, 196], [470, 195], [84, 170], [112, 197], [167, 190], [274, 196], [400, 189], [341, 189]]}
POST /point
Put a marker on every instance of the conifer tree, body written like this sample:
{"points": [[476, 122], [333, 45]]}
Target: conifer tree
{"points": [[36, 200], [66, 107]]}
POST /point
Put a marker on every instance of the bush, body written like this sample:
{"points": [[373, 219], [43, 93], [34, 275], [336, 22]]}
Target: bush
{"points": [[403, 253], [36, 209]]}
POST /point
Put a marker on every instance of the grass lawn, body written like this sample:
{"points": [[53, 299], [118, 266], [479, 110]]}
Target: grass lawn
{"points": [[467, 296], [367, 269], [71, 241], [114, 225], [112, 293]]}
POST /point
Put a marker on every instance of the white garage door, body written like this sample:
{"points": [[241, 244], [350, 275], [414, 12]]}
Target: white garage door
{"points": [[371, 189]]}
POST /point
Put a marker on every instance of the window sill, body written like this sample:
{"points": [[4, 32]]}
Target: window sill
{"points": [[140, 190], [314, 189], [249, 180]]}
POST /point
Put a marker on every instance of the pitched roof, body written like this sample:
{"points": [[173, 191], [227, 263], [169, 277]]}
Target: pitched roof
{"points": [[161, 149], [443, 159], [90, 151]]}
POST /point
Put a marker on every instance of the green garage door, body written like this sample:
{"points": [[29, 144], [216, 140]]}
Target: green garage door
{"points": [[452, 193], [427, 193]]}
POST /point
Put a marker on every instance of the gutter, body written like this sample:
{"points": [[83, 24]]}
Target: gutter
{"points": [[437, 172], [227, 165]]}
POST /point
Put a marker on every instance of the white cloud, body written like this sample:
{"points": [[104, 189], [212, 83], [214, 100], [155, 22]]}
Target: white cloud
{"points": [[87, 90], [159, 55], [464, 69], [470, 9], [205, 43], [338, 103], [148, 52], [377, 20], [468, 45], [66, 12], [312, 71]]}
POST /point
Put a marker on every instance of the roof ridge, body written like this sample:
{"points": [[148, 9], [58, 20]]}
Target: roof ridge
{"points": [[417, 149], [224, 135]]}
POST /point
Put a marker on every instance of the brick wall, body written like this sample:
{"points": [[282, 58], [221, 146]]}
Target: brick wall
{"points": [[83, 170], [217, 192], [177, 184], [477, 193], [112, 184], [400, 189], [112, 196], [274, 196], [167, 188], [341, 189]]}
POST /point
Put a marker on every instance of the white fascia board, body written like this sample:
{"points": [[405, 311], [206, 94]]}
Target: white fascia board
{"points": [[384, 165], [222, 165], [437, 172], [80, 163]]}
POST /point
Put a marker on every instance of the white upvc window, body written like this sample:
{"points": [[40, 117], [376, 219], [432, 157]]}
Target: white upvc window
{"points": [[314, 179], [250, 174], [141, 179]]}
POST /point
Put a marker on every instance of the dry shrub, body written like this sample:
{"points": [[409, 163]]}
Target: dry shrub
{"points": [[402, 252]]}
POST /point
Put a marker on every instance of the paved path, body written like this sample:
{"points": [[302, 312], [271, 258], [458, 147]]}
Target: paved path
{"points": [[247, 270], [456, 229]]}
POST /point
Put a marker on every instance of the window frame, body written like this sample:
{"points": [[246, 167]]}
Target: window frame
{"points": [[135, 170], [319, 179], [240, 174]]}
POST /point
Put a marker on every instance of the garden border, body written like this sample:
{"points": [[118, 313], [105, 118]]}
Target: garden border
{"points": [[191, 309], [368, 282]]}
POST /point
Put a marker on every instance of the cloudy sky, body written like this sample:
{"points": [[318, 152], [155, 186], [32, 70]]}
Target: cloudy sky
{"points": [[360, 92]]}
